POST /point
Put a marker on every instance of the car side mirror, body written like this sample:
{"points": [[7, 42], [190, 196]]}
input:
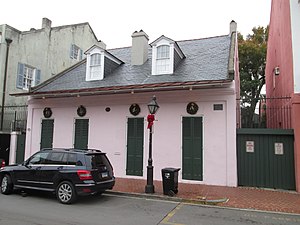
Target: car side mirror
{"points": [[25, 163]]}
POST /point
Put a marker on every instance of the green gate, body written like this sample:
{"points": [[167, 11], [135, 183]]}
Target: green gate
{"points": [[135, 146], [265, 158], [47, 134], [21, 138], [81, 133], [192, 152]]}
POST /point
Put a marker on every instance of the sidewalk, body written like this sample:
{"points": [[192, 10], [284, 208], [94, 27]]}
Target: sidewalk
{"points": [[237, 197]]}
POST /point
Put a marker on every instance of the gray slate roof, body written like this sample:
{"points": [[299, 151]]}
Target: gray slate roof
{"points": [[206, 60]]}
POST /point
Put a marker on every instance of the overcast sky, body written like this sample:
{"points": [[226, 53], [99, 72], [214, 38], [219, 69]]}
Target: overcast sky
{"points": [[113, 21]]}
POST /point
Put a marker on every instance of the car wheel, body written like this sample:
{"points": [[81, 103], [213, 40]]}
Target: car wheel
{"points": [[66, 193], [6, 185]]}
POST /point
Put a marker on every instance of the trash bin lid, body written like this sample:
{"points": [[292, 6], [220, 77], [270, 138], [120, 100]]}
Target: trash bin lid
{"points": [[170, 169]]}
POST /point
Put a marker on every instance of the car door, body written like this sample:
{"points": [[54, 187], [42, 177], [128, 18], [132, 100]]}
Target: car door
{"points": [[28, 173], [50, 171]]}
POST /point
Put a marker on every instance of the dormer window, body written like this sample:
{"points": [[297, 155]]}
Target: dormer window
{"points": [[163, 59], [99, 63], [94, 60], [95, 66], [166, 55]]}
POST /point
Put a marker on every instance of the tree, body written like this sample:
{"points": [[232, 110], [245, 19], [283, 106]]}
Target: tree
{"points": [[252, 63]]}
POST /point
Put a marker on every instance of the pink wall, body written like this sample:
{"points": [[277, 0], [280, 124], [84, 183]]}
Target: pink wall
{"points": [[279, 55], [107, 130]]}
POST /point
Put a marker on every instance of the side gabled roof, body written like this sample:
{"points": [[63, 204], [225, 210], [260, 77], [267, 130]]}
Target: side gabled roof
{"points": [[206, 63]]}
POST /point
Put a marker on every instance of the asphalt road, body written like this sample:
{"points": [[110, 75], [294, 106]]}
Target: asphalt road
{"points": [[41, 209]]}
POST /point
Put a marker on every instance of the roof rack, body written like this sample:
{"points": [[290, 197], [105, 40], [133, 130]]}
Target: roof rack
{"points": [[73, 150]]}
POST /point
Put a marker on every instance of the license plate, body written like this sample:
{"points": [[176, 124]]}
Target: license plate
{"points": [[104, 175]]}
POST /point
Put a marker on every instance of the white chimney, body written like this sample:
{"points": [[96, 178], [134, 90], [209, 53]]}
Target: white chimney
{"points": [[233, 26], [139, 49]]}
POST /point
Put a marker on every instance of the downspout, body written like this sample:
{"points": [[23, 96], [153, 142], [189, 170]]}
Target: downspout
{"points": [[8, 42]]}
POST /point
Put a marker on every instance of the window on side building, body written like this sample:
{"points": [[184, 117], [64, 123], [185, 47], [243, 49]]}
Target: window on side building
{"points": [[27, 76]]}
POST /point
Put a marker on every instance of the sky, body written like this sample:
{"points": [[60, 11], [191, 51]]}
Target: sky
{"points": [[113, 21]]}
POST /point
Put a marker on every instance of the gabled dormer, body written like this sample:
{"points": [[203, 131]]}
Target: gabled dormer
{"points": [[166, 55], [99, 63]]}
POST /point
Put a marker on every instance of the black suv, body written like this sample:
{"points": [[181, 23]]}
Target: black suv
{"points": [[66, 172]]}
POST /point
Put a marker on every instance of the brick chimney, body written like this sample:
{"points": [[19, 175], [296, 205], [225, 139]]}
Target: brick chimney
{"points": [[46, 23], [139, 49]]}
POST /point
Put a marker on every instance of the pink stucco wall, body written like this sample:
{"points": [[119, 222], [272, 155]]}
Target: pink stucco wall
{"points": [[279, 54], [107, 130]]}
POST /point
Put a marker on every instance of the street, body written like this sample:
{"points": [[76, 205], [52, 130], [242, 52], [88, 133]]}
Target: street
{"points": [[43, 209]]}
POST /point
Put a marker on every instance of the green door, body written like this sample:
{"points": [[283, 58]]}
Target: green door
{"points": [[135, 146], [20, 148], [192, 152], [81, 133], [47, 133]]}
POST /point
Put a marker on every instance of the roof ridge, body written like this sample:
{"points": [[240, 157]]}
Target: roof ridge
{"points": [[196, 39]]}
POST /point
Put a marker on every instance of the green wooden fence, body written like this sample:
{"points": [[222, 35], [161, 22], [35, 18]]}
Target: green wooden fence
{"points": [[266, 158]]}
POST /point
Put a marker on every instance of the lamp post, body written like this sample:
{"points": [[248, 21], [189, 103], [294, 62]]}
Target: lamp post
{"points": [[152, 107]]}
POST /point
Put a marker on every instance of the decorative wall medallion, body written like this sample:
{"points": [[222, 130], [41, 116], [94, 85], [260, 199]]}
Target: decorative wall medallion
{"points": [[192, 108], [134, 109], [47, 112], [81, 111], [107, 109]]}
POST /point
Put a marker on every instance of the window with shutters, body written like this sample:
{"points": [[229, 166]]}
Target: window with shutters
{"points": [[81, 133], [75, 52], [27, 76]]}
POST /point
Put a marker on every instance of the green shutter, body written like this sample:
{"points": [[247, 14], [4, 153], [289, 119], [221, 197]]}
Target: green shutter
{"points": [[192, 165], [135, 146], [47, 133], [81, 133]]}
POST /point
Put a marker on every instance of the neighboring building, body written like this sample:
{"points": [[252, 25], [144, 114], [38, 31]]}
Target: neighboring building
{"points": [[283, 71], [101, 102], [34, 56]]}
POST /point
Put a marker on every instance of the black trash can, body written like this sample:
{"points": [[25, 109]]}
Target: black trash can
{"points": [[170, 181]]}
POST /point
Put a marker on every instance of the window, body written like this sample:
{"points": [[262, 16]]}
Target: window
{"points": [[56, 158], [76, 52], [95, 66], [163, 59], [27, 76], [166, 56], [39, 158]]}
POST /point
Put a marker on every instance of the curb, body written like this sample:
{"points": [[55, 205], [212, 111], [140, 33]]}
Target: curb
{"points": [[168, 198]]}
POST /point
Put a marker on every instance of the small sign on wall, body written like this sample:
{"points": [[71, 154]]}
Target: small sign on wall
{"points": [[249, 146], [278, 148]]}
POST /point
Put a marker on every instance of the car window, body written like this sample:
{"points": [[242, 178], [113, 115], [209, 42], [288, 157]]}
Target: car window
{"points": [[72, 159], [98, 160], [39, 158], [56, 158]]}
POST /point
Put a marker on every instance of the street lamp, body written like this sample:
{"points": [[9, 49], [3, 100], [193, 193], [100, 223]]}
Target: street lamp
{"points": [[152, 107]]}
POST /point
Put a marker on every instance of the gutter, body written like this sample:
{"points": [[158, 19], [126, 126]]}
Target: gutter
{"points": [[124, 90], [8, 42]]}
